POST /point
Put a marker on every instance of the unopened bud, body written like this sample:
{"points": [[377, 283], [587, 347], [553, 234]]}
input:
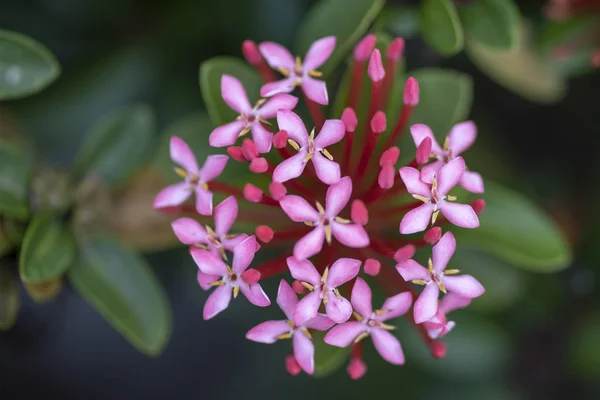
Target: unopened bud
{"points": [[359, 213], [356, 368], [292, 366], [433, 235], [252, 193], [363, 49], [438, 349], [298, 287], [378, 122], [251, 52], [478, 205], [264, 233], [372, 266], [386, 177], [396, 49], [349, 119], [280, 139], [404, 253], [251, 276], [389, 157], [249, 149], [277, 190], [411, 92], [423, 151], [259, 165], [375, 69], [236, 153]]}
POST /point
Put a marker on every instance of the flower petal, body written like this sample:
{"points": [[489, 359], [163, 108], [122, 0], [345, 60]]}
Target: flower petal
{"points": [[341, 271], [255, 294], [286, 299], [303, 270], [298, 209], [208, 263], [411, 270], [212, 168], [315, 90], [276, 103], [243, 254], [318, 53], [463, 285], [427, 303], [225, 215], [189, 231], [307, 308], [361, 298], [172, 195], [320, 323], [282, 86], [461, 137], [395, 306], [453, 301], [183, 155], [310, 244], [290, 168], [217, 301], [461, 215], [333, 131], [443, 251], [234, 94], [416, 220], [449, 175], [472, 181], [268, 331], [419, 132], [205, 280], [351, 235], [304, 352], [430, 170], [338, 196], [204, 204], [263, 139], [291, 123], [327, 171], [338, 309], [277, 56], [412, 180], [226, 135], [387, 346], [343, 335], [230, 243]]}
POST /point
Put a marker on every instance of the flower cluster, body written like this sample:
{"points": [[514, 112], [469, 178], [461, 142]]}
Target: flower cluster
{"points": [[334, 200]]}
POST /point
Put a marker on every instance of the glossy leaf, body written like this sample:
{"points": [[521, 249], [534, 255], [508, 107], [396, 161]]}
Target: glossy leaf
{"points": [[9, 300], [118, 144], [493, 23], [48, 249], [14, 181], [328, 359], [122, 287], [441, 27], [211, 72], [514, 229], [26, 66], [347, 20]]}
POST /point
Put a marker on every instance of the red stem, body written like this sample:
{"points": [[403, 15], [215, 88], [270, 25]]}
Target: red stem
{"points": [[347, 153], [225, 188], [272, 267], [356, 84], [315, 112], [399, 127]]}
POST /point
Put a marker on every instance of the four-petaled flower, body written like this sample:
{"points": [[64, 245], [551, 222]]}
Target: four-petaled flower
{"points": [[439, 326], [372, 323], [436, 199], [461, 137], [250, 118], [323, 288], [325, 220], [190, 232], [196, 179], [228, 280], [309, 148], [271, 331], [436, 278], [296, 72]]}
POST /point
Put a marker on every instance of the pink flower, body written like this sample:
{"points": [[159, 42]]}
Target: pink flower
{"points": [[309, 148], [323, 288], [296, 72], [435, 198], [372, 323], [228, 280], [436, 278], [325, 220], [461, 137], [271, 331], [190, 232], [439, 326], [250, 118], [196, 179]]}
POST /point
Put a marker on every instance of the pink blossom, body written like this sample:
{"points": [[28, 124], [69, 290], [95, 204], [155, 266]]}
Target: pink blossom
{"points": [[296, 72], [228, 280], [309, 148], [372, 323], [271, 331], [435, 199], [461, 137], [325, 220], [439, 326], [190, 232], [436, 278], [195, 179], [250, 118], [324, 289]]}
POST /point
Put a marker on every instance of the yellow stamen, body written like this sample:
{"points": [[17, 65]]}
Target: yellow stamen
{"points": [[311, 137], [446, 143], [298, 63], [419, 282], [283, 71], [229, 270], [222, 252], [295, 145], [210, 231], [244, 131], [201, 246], [451, 271], [325, 273], [320, 207], [315, 74], [297, 82], [442, 287], [342, 220], [325, 300], [308, 286], [434, 216], [308, 223], [337, 294], [387, 327], [327, 154], [217, 283], [422, 198], [260, 103], [360, 337], [231, 235], [430, 265], [307, 333], [328, 234], [451, 198], [308, 157], [290, 323], [236, 291], [381, 312], [285, 336], [357, 316], [204, 185], [434, 184], [264, 121], [181, 172]]}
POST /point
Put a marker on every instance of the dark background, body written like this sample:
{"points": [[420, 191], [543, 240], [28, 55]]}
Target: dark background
{"points": [[541, 339]]}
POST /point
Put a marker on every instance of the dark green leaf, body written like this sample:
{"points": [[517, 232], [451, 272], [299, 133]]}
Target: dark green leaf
{"points": [[123, 288], [441, 27], [515, 230], [400, 20], [328, 358], [9, 300], [26, 66], [493, 23], [14, 181], [117, 145], [347, 20], [211, 72], [584, 348], [48, 249]]}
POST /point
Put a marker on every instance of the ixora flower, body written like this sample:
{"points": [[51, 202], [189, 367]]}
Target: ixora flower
{"points": [[250, 118], [372, 323], [296, 72], [279, 204], [437, 278], [271, 331], [196, 179]]}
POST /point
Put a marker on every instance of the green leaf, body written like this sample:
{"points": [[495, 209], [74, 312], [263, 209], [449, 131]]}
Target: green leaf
{"points": [[515, 230], [493, 23], [48, 249], [9, 300], [211, 72], [347, 20], [584, 348], [400, 20], [328, 359], [118, 144], [441, 27], [123, 288], [14, 181], [26, 66]]}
